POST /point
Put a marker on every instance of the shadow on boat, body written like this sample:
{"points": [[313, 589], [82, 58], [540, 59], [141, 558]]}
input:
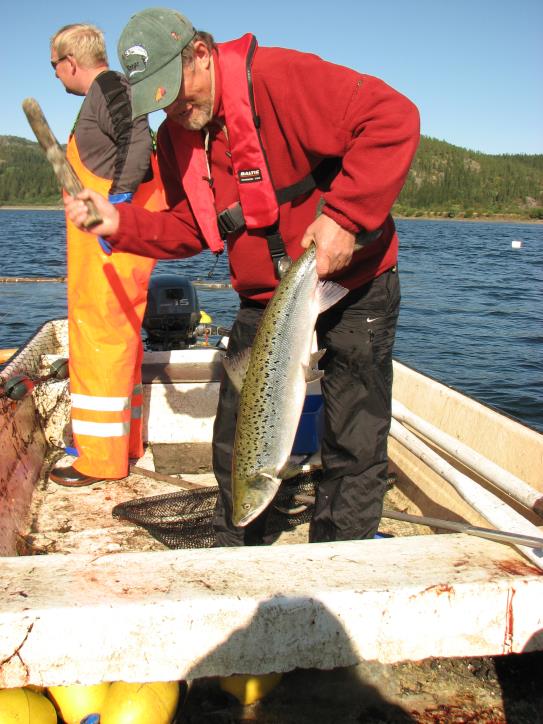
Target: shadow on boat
{"points": [[305, 695], [520, 682]]}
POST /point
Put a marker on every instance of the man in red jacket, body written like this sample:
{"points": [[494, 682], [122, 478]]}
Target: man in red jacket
{"points": [[266, 150]]}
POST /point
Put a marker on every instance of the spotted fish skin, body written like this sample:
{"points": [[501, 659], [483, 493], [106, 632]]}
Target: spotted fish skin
{"points": [[273, 390]]}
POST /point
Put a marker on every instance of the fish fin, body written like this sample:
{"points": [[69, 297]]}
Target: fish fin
{"points": [[314, 357], [290, 470], [328, 294], [311, 374], [311, 371], [291, 511], [236, 367], [268, 476]]}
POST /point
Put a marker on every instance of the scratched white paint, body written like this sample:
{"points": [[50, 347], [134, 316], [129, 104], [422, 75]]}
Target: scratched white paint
{"points": [[187, 614], [103, 614]]}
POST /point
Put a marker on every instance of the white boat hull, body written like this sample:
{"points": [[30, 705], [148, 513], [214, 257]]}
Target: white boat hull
{"points": [[188, 614], [94, 610]]}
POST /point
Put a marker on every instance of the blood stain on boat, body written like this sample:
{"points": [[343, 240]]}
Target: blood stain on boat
{"points": [[517, 568], [439, 589]]}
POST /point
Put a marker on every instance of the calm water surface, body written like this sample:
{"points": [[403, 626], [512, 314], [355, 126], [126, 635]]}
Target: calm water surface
{"points": [[472, 305]]}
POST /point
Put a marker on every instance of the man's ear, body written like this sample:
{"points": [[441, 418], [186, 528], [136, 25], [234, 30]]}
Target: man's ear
{"points": [[202, 54], [73, 64]]}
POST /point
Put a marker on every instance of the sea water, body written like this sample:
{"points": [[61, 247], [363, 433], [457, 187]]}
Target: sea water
{"points": [[472, 300]]}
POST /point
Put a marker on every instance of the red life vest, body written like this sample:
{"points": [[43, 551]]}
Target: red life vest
{"points": [[255, 188]]}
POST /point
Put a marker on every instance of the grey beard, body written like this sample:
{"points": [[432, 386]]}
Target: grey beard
{"points": [[200, 119]]}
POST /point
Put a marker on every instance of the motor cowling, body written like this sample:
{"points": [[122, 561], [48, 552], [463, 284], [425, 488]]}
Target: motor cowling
{"points": [[172, 313]]}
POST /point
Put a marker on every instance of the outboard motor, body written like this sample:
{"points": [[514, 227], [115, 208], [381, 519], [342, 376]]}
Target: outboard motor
{"points": [[172, 313]]}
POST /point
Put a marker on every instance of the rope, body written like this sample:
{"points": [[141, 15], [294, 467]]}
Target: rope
{"points": [[197, 283], [6, 280]]}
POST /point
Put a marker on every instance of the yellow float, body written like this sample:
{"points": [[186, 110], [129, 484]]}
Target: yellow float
{"points": [[76, 701], [130, 703], [5, 354], [248, 688], [24, 706]]}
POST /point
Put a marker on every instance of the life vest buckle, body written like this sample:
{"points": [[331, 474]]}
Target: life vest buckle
{"points": [[230, 220], [282, 265]]}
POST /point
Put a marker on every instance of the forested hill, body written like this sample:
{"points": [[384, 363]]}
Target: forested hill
{"points": [[444, 181], [26, 177], [447, 180]]}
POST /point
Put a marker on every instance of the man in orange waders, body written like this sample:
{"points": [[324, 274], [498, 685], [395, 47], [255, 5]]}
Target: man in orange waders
{"points": [[107, 293]]}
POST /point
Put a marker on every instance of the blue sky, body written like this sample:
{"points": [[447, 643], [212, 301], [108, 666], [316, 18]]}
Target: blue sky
{"points": [[474, 68]]}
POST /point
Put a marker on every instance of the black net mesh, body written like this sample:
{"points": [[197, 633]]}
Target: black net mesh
{"points": [[184, 519]]}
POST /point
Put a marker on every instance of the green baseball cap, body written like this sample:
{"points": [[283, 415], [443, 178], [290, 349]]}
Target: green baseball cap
{"points": [[149, 51]]}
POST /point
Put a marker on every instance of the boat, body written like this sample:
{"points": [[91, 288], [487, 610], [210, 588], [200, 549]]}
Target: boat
{"points": [[90, 596]]}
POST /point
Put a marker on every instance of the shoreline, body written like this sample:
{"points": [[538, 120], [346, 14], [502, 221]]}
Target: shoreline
{"points": [[31, 208], [498, 218]]}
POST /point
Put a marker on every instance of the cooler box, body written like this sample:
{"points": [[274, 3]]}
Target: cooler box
{"points": [[309, 433]]}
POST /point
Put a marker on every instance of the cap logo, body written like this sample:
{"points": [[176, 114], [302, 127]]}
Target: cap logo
{"points": [[135, 60], [160, 93]]}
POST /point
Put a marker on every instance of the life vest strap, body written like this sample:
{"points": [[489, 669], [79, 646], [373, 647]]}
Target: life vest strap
{"points": [[276, 245], [231, 220]]}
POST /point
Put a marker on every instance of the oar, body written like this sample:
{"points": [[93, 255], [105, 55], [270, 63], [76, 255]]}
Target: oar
{"points": [[178, 482], [63, 170], [500, 536]]}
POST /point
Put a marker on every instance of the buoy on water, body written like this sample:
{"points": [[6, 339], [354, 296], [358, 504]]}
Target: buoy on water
{"points": [[516, 244]]}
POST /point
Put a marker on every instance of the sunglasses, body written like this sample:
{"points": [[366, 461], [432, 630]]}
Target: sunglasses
{"points": [[54, 63]]}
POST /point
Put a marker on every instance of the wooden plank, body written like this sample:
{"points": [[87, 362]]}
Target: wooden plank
{"points": [[188, 614], [64, 171]]}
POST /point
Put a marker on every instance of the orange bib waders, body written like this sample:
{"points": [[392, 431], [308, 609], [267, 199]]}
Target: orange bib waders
{"points": [[107, 296]]}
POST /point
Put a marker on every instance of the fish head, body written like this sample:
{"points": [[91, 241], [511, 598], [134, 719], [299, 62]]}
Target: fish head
{"points": [[252, 495]]}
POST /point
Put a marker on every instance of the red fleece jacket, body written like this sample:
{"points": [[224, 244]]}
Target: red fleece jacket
{"points": [[310, 110]]}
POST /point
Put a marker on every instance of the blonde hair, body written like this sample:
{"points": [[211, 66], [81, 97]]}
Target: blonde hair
{"points": [[85, 42]]}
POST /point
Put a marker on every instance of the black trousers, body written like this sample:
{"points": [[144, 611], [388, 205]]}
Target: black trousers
{"points": [[358, 335]]}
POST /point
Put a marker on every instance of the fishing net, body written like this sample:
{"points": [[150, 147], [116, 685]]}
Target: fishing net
{"points": [[39, 371], [50, 338], [184, 519]]}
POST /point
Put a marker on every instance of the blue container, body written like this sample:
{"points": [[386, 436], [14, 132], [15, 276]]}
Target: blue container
{"points": [[309, 433]]}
